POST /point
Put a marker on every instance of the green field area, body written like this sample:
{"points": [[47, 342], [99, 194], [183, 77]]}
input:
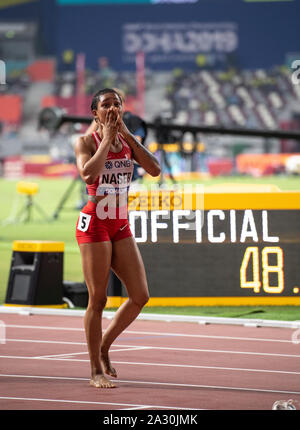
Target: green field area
{"points": [[63, 229], [283, 313]]}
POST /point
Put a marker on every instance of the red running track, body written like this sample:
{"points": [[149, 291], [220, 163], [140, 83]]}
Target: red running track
{"points": [[161, 365]]}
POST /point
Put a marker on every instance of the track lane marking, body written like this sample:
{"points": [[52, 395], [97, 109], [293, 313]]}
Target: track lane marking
{"points": [[13, 357], [160, 334], [32, 399], [168, 348], [171, 384], [134, 348], [58, 342]]}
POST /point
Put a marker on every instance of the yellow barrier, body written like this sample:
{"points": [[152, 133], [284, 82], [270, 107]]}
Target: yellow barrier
{"points": [[213, 199], [38, 246]]}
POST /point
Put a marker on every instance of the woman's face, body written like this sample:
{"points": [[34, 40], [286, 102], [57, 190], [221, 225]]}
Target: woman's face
{"points": [[108, 101]]}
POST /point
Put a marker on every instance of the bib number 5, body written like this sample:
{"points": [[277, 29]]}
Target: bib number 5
{"points": [[83, 222]]}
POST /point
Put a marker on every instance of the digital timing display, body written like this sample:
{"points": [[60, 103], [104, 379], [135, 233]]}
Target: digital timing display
{"points": [[220, 252]]}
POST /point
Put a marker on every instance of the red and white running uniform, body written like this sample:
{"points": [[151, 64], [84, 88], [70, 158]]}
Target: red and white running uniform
{"points": [[117, 173], [103, 221]]}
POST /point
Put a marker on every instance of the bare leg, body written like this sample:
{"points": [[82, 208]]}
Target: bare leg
{"points": [[128, 266], [96, 260]]}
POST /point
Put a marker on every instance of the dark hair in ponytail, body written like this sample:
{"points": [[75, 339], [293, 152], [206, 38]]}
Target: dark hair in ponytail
{"points": [[99, 93]]}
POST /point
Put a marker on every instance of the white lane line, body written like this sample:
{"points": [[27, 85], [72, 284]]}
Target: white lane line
{"points": [[168, 384], [217, 387], [70, 354], [65, 355], [45, 327], [220, 351], [58, 342], [134, 409], [208, 336], [65, 378], [132, 348], [39, 327], [160, 334], [135, 363], [202, 367], [29, 399]]}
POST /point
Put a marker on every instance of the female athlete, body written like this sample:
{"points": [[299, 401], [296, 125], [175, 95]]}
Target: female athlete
{"points": [[105, 162]]}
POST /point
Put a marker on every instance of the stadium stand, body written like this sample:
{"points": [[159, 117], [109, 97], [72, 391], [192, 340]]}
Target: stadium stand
{"points": [[259, 99], [252, 99]]}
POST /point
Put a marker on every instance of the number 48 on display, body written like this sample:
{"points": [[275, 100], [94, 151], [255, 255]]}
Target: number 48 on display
{"points": [[252, 253]]}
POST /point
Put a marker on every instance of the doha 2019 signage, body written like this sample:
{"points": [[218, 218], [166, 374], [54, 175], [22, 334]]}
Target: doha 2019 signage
{"points": [[176, 41], [180, 33]]}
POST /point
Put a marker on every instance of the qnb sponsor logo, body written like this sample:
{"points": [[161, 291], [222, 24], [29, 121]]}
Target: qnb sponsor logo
{"points": [[122, 163], [2, 333], [118, 164]]}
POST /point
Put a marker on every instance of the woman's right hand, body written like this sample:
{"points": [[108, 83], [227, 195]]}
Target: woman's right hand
{"points": [[110, 126]]}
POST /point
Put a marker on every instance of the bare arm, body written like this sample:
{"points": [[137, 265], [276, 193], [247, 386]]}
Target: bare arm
{"points": [[89, 165], [141, 154]]}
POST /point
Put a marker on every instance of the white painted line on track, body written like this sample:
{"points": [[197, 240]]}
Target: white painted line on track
{"points": [[133, 348], [168, 348], [131, 409], [90, 403], [135, 363], [58, 342], [207, 367], [168, 384], [70, 354], [145, 316], [153, 333], [65, 355], [65, 378], [45, 327], [222, 351], [208, 336], [216, 387]]}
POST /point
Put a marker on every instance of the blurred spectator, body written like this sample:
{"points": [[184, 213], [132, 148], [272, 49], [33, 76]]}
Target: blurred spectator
{"points": [[106, 74]]}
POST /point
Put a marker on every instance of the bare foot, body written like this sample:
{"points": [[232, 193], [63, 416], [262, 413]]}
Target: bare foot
{"points": [[106, 365], [100, 381]]}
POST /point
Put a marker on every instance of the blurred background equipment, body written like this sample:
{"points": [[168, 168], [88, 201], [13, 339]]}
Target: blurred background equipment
{"points": [[36, 274], [23, 212], [29, 189]]}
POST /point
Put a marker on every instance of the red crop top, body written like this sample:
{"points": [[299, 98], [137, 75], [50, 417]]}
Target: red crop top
{"points": [[117, 172]]}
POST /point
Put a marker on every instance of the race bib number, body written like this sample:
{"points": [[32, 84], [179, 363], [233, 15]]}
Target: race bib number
{"points": [[83, 222], [115, 177]]}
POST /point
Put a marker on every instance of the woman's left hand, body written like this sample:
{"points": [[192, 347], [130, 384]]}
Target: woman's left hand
{"points": [[122, 127]]}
